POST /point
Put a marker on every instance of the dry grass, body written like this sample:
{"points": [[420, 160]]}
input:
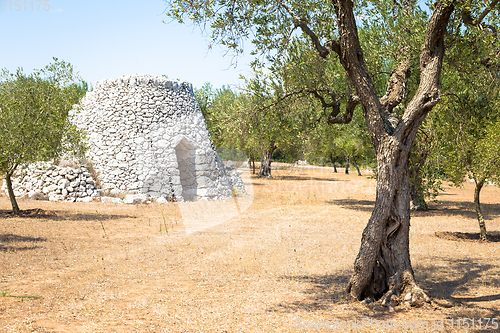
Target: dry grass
{"points": [[288, 256]]}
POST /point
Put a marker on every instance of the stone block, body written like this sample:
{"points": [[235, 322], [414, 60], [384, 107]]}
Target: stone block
{"points": [[135, 199], [84, 199], [111, 200]]}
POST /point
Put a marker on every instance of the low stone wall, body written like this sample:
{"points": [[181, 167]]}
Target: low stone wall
{"points": [[55, 183], [77, 184]]}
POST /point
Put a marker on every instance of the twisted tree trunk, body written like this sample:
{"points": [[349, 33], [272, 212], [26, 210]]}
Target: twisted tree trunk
{"points": [[332, 160], [382, 268], [356, 166], [265, 162], [12, 197], [477, 204]]}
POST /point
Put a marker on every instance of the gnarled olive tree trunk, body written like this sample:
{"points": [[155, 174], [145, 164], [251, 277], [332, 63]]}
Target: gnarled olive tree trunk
{"points": [[382, 268], [332, 160], [265, 162], [477, 204]]}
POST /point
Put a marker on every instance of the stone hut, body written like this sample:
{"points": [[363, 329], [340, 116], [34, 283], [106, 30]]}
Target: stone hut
{"points": [[146, 134]]}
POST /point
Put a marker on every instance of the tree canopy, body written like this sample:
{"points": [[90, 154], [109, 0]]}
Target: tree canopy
{"points": [[34, 124]]}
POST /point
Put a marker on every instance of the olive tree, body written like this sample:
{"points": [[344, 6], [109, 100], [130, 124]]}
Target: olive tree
{"points": [[468, 123], [34, 124], [382, 269]]}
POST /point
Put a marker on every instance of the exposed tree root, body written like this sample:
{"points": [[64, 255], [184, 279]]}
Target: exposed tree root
{"points": [[403, 290]]}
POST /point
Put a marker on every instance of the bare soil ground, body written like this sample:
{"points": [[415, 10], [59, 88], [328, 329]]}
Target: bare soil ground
{"points": [[280, 266]]}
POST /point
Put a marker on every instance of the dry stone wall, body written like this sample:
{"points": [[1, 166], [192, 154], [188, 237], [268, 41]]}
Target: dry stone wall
{"points": [[147, 135], [55, 183]]}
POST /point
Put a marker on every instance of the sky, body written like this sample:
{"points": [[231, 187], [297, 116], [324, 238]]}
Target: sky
{"points": [[111, 38]]}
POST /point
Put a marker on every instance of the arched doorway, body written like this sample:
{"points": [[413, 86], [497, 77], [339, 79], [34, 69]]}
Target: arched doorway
{"points": [[185, 153]]}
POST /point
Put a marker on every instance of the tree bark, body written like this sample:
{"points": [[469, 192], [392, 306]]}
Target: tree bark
{"points": [[356, 166], [382, 268], [12, 197], [265, 162], [416, 191], [332, 160], [347, 164], [480, 217]]}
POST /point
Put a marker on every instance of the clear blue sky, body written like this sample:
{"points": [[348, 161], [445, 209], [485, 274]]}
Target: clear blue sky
{"points": [[107, 39]]}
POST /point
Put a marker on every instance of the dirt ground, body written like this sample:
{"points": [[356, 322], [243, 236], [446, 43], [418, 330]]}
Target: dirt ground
{"points": [[279, 262]]}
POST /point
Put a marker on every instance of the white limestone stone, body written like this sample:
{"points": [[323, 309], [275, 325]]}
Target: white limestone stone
{"points": [[135, 198], [111, 200]]}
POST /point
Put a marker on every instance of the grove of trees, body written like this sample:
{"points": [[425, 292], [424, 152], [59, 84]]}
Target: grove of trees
{"points": [[387, 57]]}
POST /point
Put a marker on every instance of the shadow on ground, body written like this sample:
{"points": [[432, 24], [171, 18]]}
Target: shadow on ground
{"points": [[454, 283], [450, 283], [320, 292], [450, 208], [10, 238], [295, 178], [92, 216], [360, 205], [28, 213], [61, 215], [493, 236]]}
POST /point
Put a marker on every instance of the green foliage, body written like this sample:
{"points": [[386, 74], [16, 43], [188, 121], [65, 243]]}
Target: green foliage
{"points": [[333, 143], [426, 173], [234, 155], [469, 112], [34, 124], [266, 22], [289, 68]]}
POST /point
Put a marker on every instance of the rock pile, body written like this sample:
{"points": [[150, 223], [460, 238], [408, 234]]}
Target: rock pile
{"points": [[56, 184], [147, 135]]}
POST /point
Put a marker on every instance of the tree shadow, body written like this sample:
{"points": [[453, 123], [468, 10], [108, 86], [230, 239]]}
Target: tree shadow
{"points": [[459, 208], [450, 208], [66, 216], [10, 238], [39, 213], [359, 205], [450, 282], [492, 236], [28, 213], [301, 178], [321, 293]]}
